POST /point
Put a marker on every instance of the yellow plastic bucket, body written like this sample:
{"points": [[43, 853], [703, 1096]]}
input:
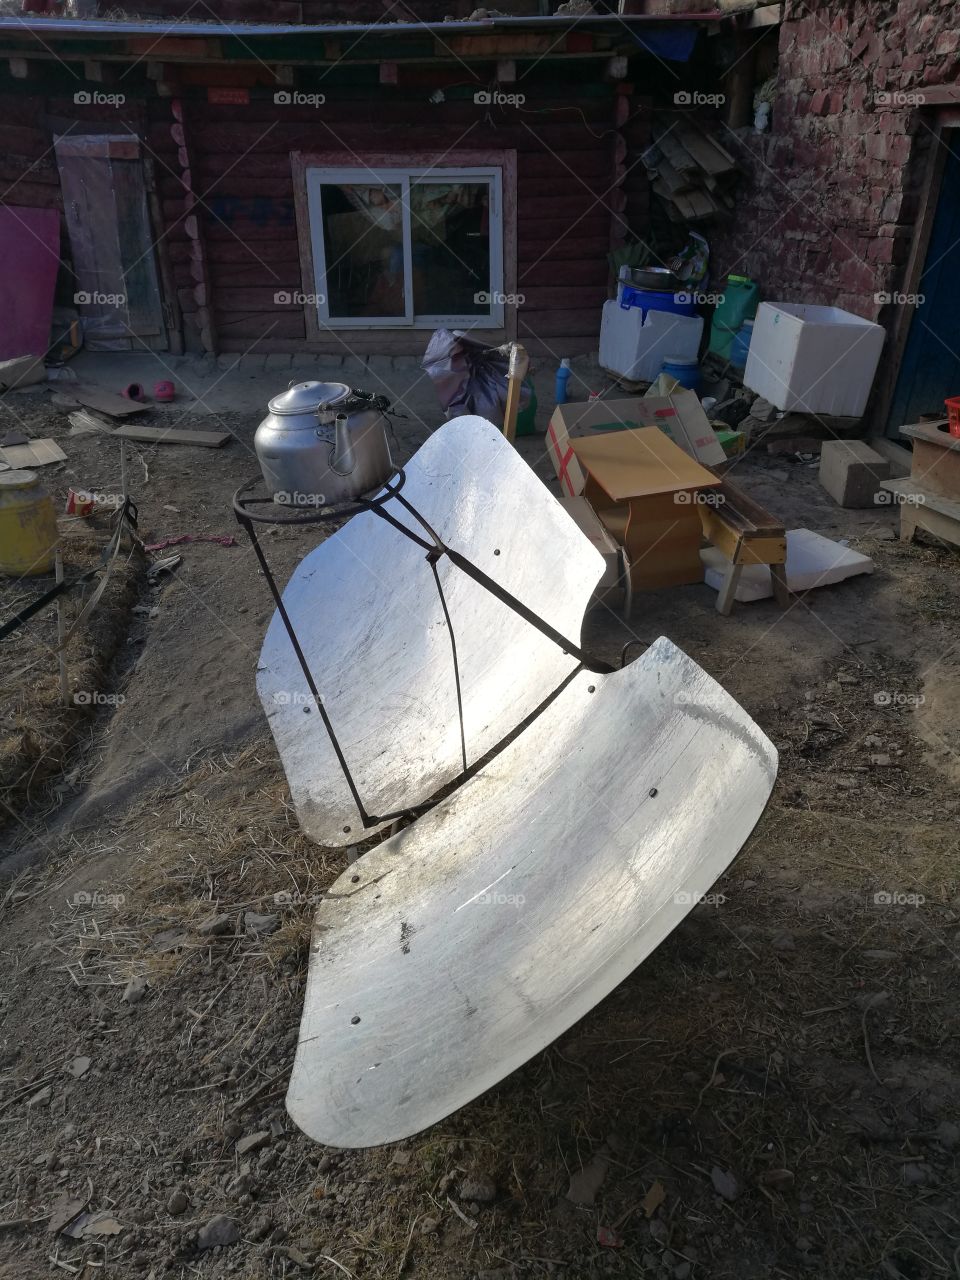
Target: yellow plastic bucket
{"points": [[28, 526]]}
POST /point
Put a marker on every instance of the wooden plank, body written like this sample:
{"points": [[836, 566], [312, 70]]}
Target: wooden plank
{"points": [[781, 590], [763, 551], [937, 469], [728, 589], [102, 401], [717, 532], [671, 146], [932, 433], [671, 179], [751, 512], [38, 453], [742, 529], [144, 312], [87, 186], [709, 155], [167, 435], [922, 497]]}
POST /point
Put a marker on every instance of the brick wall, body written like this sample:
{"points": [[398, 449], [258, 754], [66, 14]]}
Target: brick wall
{"points": [[827, 208]]}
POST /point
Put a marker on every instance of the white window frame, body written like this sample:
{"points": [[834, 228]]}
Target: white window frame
{"points": [[361, 175]]}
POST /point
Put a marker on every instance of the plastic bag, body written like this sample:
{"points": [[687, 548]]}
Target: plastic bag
{"points": [[469, 376]]}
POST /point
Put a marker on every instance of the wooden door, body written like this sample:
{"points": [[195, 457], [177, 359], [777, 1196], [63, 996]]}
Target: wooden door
{"points": [[111, 240]]}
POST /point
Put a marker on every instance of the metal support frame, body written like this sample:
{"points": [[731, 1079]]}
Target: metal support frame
{"points": [[250, 509]]}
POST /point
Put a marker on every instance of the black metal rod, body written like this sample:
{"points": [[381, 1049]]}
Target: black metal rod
{"points": [[435, 548], [305, 667], [453, 649]]}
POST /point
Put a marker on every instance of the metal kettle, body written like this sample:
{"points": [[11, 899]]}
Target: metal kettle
{"points": [[323, 443]]}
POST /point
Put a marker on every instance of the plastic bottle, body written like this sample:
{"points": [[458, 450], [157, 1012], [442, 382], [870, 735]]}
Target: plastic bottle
{"points": [[563, 377]]}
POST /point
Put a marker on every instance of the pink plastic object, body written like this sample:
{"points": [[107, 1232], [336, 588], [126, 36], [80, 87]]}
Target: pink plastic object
{"points": [[164, 391], [134, 392]]}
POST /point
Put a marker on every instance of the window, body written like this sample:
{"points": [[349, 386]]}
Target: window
{"points": [[418, 247]]}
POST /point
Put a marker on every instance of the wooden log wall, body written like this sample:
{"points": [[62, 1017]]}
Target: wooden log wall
{"points": [[569, 199], [575, 189], [636, 184]]}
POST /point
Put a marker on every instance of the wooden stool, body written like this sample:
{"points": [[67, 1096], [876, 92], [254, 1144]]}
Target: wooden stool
{"points": [[746, 534]]}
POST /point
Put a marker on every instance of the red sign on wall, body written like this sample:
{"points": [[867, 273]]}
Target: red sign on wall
{"points": [[229, 97]]}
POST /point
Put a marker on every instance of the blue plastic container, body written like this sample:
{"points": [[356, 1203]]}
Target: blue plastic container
{"points": [[686, 372], [657, 300], [740, 347]]}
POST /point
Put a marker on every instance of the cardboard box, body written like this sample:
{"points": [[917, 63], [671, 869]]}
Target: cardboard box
{"points": [[679, 416], [614, 562], [646, 491]]}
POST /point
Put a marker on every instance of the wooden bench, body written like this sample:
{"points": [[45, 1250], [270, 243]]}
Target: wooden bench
{"points": [[745, 533]]}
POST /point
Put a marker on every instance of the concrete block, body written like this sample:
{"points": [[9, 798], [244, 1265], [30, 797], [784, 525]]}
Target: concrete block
{"points": [[277, 362], [851, 472]]}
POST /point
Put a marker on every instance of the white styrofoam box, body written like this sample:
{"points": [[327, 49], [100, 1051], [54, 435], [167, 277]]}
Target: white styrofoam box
{"points": [[813, 359], [812, 561], [634, 344]]}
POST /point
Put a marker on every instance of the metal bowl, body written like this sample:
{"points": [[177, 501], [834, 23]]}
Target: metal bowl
{"points": [[658, 278]]}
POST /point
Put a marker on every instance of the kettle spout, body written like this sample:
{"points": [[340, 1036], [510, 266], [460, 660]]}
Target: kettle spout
{"points": [[342, 460]]}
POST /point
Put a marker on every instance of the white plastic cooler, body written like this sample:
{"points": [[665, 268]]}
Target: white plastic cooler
{"points": [[813, 359]]}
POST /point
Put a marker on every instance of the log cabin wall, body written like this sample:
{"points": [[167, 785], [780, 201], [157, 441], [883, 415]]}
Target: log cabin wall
{"points": [[226, 225], [569, 147]]}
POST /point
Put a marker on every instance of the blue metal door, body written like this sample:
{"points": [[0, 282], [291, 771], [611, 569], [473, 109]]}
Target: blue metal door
{"points": [[930, 369]]}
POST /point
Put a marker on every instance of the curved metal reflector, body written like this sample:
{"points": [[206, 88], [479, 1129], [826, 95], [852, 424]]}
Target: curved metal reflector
{"points": [[473, 938], [365, 607]]}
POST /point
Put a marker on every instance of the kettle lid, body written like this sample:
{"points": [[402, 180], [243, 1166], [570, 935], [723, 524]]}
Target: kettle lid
{"points": [[305, 397]]}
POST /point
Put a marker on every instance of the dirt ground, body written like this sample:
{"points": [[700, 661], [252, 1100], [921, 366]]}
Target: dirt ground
{"points": [[774, 1093]]}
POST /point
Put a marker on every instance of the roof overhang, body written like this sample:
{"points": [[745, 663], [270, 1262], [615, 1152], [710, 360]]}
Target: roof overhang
{"points": [[86, 29]]}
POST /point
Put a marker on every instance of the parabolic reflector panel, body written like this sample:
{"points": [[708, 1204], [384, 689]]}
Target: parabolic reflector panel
{"points": [[366, 610], [452, 952]]}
